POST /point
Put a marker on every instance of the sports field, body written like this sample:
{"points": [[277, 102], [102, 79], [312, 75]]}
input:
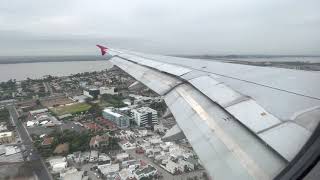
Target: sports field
{"points": [[71, 109]]}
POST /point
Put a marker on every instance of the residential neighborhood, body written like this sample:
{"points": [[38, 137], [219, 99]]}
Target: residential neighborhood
{"points": [[98, 125]]}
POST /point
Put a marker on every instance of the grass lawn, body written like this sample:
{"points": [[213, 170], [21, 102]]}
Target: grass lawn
{"points": [[72, 109]]}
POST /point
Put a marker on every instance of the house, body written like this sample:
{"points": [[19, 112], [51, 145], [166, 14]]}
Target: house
{"points": [[146, 171], [108, 168], [106, 123], [85, 157], [104, 159], [174, 167], [130, 163], [122, 156], [32, 123], [3, 128], [75, 176], [126, 174], [155, 140], [93, 156], [75, 156], [98, 141], [92, 126], [67, 171], [47, 141], [187, 165], [125, 145]]}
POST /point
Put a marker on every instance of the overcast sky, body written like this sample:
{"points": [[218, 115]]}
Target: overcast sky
{"points": [[73, 27]]}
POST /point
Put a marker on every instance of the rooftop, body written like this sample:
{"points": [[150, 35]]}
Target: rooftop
{"points": [[38, 111], [6, 134], [109, 111], [145, 109], [146, 170], [47, 141]]}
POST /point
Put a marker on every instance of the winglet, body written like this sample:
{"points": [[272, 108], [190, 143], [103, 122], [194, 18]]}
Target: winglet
{"points": [[102, 49]]}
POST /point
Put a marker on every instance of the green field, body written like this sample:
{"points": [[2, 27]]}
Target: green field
{"points": [[72, 109]]}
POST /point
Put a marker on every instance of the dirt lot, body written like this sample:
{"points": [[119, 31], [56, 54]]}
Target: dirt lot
{"points": [[56, 101]]}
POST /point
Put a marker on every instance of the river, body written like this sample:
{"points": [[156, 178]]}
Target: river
{"points": [[22, 71]]}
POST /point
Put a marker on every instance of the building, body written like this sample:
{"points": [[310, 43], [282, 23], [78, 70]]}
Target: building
{"points": [[108, 90], [145, 116], [3, 128], [78, 175], [122, 156], [91, 92], [92, 126], [93, 156], [80, 99], [106, 123], [125, 174], [7, 137], [47, 141], [108, 168], [38, 111], [58, 164], [98, 141], [122, 121], [104, 159], [174, 167], [145, 172], [126, 145]]}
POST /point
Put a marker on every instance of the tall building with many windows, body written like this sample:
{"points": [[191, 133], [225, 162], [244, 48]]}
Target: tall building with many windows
{"points": [[122, 121], [145, 116]]}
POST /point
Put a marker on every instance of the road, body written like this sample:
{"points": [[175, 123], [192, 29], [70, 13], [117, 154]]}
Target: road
{"points": [[36, 160]]}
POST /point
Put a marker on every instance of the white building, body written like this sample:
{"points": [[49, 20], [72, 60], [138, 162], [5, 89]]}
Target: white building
{"points": [[107, 90], [7, 137], [104, 158], [122, 121], [78, 175], [125, 174], [145, 116], [173, 167], [122, 156], [145, 172], [80, 99], [58, 164], [126, 145], [107, 168], [93, 156], [186, 164]]}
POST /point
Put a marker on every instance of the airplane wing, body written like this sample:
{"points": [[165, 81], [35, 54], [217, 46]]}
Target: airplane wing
{"points": [[244, 122]]}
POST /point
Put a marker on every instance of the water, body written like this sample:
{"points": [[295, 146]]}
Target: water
{"points": [[22, 71]]}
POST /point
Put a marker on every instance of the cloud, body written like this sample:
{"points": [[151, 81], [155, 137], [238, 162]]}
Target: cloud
{"points": [[180, 27]]}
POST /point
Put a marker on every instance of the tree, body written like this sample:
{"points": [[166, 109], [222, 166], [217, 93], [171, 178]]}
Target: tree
{"points": [[38, 102], [95, 109]]}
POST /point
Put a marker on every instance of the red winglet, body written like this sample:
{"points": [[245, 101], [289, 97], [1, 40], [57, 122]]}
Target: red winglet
{"points": [[102, 49]]}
